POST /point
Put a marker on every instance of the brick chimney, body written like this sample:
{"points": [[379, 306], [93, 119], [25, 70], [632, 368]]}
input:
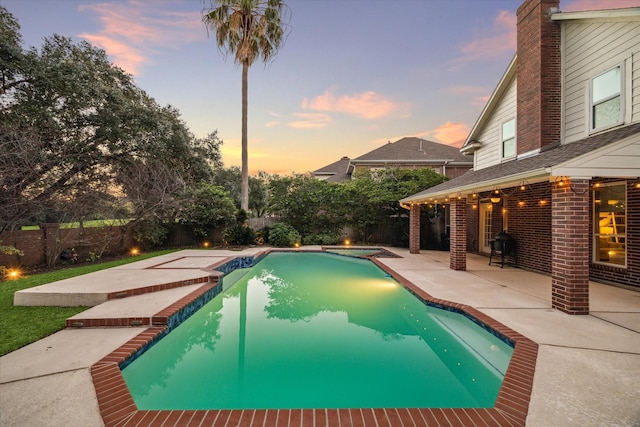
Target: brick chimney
{"points": [[539, 75]]}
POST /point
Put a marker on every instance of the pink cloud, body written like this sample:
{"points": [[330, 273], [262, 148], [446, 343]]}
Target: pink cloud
{"points": [[310, 121], [480, 101], [498, 40], [125, 56], [452, 134], [501, 38], [368, 105], [465, 90], [478, 95], [132, 31], [580, 5]]}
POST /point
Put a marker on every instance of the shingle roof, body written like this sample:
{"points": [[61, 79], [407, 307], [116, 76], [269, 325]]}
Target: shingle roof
{"points": [[339, 177], [339, 167], [414, 149], [546, 158]]}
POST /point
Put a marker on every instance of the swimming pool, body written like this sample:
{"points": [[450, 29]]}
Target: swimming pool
{"points": [[289, 335]]}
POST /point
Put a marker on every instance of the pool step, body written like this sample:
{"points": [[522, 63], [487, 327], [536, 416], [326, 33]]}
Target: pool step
{"points": [[230, 279]]}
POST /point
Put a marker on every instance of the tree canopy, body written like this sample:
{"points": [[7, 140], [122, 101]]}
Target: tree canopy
{"points": [[79, 138]]}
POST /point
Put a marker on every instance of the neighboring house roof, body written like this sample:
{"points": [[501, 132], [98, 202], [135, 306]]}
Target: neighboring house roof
{"points": [[559, 160], [414, 150], [406, 151], [336, 171]]}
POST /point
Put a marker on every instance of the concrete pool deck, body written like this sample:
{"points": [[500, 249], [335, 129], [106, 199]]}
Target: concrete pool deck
{"points": [[587, 373]]}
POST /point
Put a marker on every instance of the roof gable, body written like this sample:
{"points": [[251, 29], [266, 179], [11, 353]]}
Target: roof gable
{"points": [[413, 149], [471, 143]]}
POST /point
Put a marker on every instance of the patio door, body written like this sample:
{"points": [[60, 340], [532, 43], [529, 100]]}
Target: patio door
{"points": [[486, 215]]}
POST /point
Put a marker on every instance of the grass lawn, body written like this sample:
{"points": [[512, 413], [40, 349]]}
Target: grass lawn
{"points": [[20, 326], [86, 224]]}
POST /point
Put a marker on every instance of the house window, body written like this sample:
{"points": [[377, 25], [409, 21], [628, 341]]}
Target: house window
{"points": [[610, 218], [606, 99], [509, 139]]}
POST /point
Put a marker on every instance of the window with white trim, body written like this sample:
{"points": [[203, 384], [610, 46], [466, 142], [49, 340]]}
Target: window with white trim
{"points": [[508, 136], [610, 218], [606, 99]]}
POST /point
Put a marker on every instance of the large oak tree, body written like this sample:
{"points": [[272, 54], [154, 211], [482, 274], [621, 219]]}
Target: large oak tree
{"points": [[79, 139]]}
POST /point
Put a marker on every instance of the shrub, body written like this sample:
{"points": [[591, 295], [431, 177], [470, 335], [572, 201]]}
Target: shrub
{"points": [[262, 235], [321, 239], [8, 250], [241, 217], [239, 235], [283, 235], [206, 208], [149, 234]]}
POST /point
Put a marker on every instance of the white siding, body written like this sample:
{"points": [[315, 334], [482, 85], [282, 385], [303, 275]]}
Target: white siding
{"points": [[635, 90], [590, 48], [621, 158], [489, 153]]}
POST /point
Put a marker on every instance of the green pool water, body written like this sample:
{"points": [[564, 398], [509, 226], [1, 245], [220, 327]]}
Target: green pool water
{"points": [[317, 330], [354, 252]]}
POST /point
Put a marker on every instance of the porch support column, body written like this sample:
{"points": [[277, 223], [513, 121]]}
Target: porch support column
{"points": [[570, 246], [458, 240], [414, 229]]}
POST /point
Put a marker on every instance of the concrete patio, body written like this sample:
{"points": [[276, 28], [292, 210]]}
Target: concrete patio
{"points": [[587, 372]]}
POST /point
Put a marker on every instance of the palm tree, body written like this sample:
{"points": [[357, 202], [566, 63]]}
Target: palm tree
{"points": [[248, 29]]}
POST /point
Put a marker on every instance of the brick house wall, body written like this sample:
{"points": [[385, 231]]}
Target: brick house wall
{"points": [[414, 229], [473, 226], [458, 241], [529, 222], [497, 217], [570, 231], [455, 171], [539, 76], [529, 217]]}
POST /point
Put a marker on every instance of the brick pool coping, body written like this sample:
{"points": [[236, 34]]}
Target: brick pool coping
{"points": [[118, 408]]}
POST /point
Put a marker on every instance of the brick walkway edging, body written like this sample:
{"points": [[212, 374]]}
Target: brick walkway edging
{"points": [[118, 408]]}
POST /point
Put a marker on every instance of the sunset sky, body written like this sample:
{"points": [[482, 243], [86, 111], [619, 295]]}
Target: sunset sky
{"points": [[352, 75]]}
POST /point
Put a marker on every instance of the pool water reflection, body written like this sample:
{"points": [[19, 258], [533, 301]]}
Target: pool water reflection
{"points": [[317, 330]]}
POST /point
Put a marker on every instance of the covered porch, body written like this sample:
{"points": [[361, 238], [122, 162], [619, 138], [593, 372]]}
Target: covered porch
{"points": [[546, 202]]}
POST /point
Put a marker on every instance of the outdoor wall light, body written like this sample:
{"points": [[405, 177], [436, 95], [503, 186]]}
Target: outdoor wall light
{"points": [[495, 200], [13, 274]]}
